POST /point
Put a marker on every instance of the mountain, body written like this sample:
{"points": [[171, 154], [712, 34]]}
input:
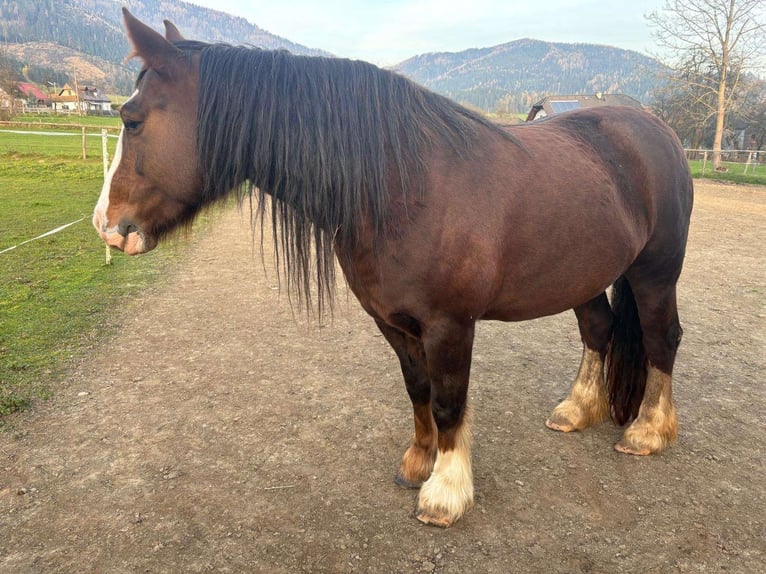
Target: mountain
{"points": [[56, 40], [513, 76]]}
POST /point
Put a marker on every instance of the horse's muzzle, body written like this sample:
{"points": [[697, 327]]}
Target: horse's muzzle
{"points": [[127, 238]]}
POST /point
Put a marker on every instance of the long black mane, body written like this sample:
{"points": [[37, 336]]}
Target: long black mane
{"points": [[323, 137]]}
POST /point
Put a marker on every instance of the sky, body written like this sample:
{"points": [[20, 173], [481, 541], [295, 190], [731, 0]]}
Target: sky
{"points": [[387, 32]]}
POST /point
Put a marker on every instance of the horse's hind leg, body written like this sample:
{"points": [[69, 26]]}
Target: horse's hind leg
{"points": [[418, 460], [656, 424], [588, 402]]}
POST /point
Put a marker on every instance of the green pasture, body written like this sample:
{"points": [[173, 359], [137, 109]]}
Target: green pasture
{"points": [[57, 135], [756, 175], [56, 293], [71, 119], [64, 144]]}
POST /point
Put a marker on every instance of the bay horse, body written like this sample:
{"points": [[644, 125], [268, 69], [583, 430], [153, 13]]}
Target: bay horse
{"points": [[438, 218]]}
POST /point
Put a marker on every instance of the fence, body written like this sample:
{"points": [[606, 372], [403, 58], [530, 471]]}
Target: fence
{"points": [[741, 162], [73, 140], [16, 137], [55, 139], [46, 111]]}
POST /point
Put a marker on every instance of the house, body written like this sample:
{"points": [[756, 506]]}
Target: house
{"points": [[551, 105], [95, 101], [66, 100], [32, 95], [87, 99]]}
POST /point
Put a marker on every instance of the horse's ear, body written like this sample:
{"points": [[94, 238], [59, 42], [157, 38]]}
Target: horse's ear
{"points": [[171, 32], [149, 45]]}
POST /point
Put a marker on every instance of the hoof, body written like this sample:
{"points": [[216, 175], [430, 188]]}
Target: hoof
{"points": [[432, 519], [629, 449], [417, 466], [641, 439], [560, 423], [651, 432], [572, 415], [404, 483]]}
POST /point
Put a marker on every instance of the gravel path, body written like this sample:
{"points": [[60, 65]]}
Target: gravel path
{"points": [[214, 429]]}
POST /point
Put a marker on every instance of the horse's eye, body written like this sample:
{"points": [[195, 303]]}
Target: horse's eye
{"points": [[131, 125]]}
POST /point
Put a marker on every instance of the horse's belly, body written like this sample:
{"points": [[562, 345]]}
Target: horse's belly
{"points": [[540, 283], [526, 306]]}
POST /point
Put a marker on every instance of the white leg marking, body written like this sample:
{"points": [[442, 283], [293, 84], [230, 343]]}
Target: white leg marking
{"points": [[448, 493], [657, 424], [587, 403]]}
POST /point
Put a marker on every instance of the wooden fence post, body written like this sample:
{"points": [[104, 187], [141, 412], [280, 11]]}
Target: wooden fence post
{"points": [[105, 156], [749, 163], [704, 163], [84, 154], [105, 150]]}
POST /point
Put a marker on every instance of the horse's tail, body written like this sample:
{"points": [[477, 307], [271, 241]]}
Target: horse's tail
{"points": [[626, 357]]}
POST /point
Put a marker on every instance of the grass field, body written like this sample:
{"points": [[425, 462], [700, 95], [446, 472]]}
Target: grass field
{"points": [[55, 292], [90, 121], [756, 175], [57, 135]]}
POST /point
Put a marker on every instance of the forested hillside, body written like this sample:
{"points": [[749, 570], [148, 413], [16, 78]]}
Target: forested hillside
{"points": [[77, 24], [511, 77], [54, 40]]}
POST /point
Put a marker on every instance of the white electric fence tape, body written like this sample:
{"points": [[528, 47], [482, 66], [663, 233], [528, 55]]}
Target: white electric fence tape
{"points": [[104, 154], [46, 234]]}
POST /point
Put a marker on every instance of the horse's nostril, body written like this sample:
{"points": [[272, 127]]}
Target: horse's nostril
{"points": [[124, 228]]}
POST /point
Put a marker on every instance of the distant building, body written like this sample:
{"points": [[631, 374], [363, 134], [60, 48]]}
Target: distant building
{"points": [[552, 105], [94, 100], [32, 95], [88, 99]]}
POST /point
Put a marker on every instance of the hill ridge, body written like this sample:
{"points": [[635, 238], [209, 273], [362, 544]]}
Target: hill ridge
{"points": [[511, 76], [507, 77], [93, 29]]}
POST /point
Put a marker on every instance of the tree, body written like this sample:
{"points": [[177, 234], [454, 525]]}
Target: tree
{"points": [[751, 115], [758, 125], [680, 101], [6, 80], [715, 44]]}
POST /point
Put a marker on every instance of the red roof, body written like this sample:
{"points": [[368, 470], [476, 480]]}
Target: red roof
{"points": [[32, 91]]}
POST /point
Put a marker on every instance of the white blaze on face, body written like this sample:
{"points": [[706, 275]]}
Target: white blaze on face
{"points": [[99, 216]]}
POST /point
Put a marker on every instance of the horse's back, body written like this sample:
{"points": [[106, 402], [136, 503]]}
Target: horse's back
{"points": [[592, 192], [641, 157], [642, 154], [649, 166]]}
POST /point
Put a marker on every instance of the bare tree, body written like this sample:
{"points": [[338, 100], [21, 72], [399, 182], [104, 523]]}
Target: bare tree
{"points": [[751, 114], [759, 126], [714, 44], [6, 81]]}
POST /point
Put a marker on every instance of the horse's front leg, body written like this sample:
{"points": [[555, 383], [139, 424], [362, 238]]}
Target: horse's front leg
{"points": [[418, 460], [448, 493]]}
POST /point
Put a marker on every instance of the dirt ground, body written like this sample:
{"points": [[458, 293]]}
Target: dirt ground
{"points": [[212, 429]]}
